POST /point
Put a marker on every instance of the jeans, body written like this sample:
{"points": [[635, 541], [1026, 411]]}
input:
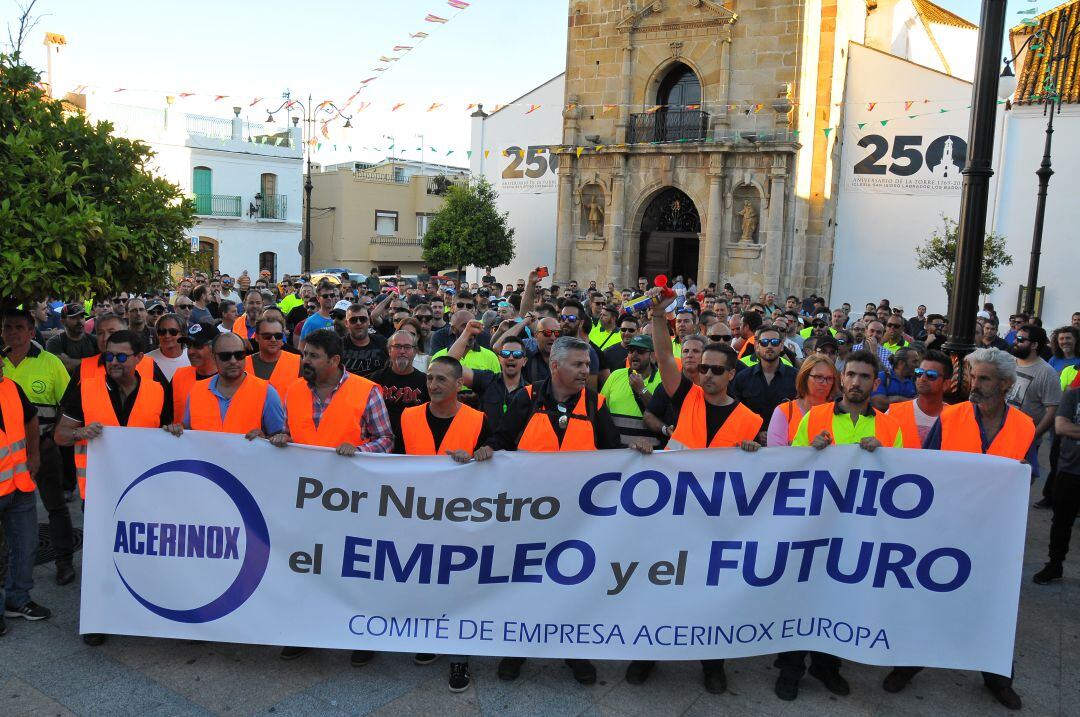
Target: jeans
{"points": [[18, 513], [1066, 502], [1051, 477], [50, 480]]}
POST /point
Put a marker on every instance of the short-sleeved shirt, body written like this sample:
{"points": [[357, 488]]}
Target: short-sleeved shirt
{"points": [[495, 398], [1037, 388], [1069, 409], [715, 415], [843, 430], [72, 405], [439, 427], [43, 378], [85, 347], [401, 392], [273, 413], [28, 409], [364, 360], [750, 387], [315, 322]]}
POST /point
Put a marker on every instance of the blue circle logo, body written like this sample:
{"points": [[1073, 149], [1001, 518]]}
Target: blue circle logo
{"points": [[256, 555]]}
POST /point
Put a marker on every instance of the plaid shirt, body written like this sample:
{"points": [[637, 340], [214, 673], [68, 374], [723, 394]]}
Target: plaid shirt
{"points": [[375, 429], [882, 354]]}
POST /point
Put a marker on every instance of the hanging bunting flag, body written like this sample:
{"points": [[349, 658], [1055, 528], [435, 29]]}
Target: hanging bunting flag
{"points": [[256, 101], [486, 153], [943, 110], [120, 89], [324, 103], [370, 79], [870, 106], [912, 116], [398, 106], [448, 152], [384, 58], [434, 106], [907, 105], [219, 97], [458, 4], [506, 153], [653, 109], [884, 122], [693, 107], [758, 107], [468, 153], [600, 147], [182, 95], [420, 35], [402, 48], [325, 131], [318, 146], [827, 130], [362, 106], [609, 108], [579, 151], [468, 108], [532, 108], [861, 125], [435, 18]]}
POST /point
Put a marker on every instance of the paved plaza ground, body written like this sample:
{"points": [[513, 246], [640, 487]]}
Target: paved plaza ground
{"points": [[45, 669]]}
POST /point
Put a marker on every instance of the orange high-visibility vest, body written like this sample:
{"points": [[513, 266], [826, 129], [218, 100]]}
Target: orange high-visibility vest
{"points": [[340, 421], [91, 367], [461, 436], [240, 327], [747, 345], [960, 432], [14, 472], [182, 381], [794, 417], [691, 431], [98, 408], [284, 375], [243, 414], [540, 437], [821, 419], [904, 413]]}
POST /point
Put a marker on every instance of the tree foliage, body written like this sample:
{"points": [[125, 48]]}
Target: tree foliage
{"points": [[468, 230], [938, 254], [80, 213]]}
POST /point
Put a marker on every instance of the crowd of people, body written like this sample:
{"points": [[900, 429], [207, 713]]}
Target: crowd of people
{"points": [[463, 370]]}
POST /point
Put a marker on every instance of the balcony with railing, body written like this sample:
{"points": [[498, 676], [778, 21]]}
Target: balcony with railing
{"points": [[217, 205], [384, 176], [668, 126], [393, 240], [272, 206]]}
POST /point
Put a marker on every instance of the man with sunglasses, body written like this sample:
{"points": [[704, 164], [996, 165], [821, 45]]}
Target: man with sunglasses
{"points": [[706, 417], [766, 382], [916, 417], [495, 389], [271, 362], [119, 397], [1037, 390], [1016, 322], [363, 352], [604, 333], [73, 344], [465, 328], [615, 356], [894, 333], [198, 340], [629, 390], [443, 338], [572, 322], [328, 297]]}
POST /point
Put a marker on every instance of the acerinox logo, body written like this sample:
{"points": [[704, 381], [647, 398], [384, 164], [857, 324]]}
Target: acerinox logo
{"points": [[179, 541]]}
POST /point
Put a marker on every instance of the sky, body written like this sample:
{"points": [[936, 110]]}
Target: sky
{"points": [[492, 52]]}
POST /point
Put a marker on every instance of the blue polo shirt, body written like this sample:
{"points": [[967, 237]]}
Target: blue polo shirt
{"points": [[890, 385], [273, 416]]}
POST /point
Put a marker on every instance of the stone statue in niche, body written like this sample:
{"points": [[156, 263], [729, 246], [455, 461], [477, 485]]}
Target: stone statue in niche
{"points": [[749, 223], [595, 217]]}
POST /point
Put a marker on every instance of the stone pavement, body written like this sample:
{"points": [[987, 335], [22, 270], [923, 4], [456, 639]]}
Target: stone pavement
{"points": [[45, 670]]}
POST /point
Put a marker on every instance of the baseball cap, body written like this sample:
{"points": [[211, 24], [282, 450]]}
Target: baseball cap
{"points": [[201, 333], [155, 304], [641, 342], [827, 341], [983, 314], [72, 309], [341, 307]]}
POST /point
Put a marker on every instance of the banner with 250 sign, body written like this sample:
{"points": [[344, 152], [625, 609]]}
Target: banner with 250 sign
{"points": [[909, 160]]}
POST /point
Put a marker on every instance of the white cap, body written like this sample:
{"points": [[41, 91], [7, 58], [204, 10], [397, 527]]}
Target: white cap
{"points": [[342, 305], [983, 314]]}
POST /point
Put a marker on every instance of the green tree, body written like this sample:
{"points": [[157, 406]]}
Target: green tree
{"points": [[468, 230], [938, 254], [80, 213]]}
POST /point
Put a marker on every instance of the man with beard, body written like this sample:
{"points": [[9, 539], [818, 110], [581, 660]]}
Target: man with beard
{"points": [[768, 382], [615, 356], [604, 334], [476, 357], [364, 353], [1037, 389], [851, 420], [271, 362], [628, 392], [137, 318], [335, 409], [918, 416], [200, 356], [233, 401], [538, 349], [986, 424], [73, 344], [495, 389], [402, 385], [572, 321]]}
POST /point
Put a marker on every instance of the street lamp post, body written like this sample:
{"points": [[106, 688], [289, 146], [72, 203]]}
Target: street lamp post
{"points": [[309, 114], [975, 192], [1056, 49]]}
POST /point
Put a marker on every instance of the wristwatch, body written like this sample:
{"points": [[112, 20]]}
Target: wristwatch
{"points": [[666, 430]]}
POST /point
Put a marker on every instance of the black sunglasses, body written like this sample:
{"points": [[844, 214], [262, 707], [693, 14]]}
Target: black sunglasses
{"points": [[234, 355], [770, 342], [358, 319], [109, 357], [719, 337], [706, 368], [463, 305], [277, 336], [327, 296], [168, 332]]}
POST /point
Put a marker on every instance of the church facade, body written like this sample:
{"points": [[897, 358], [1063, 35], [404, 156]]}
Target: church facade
{"points": [[705, 151]]}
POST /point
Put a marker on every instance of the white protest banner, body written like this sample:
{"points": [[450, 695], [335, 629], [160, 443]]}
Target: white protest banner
{"points": [[894, 557]]}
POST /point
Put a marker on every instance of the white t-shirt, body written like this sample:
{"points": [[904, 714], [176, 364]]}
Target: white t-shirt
{"points": [[923, 421], [168, 365]]}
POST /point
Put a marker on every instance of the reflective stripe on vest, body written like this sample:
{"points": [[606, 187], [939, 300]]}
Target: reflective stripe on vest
{"points": [[691, 430], [286, 371], [14, 472], [904, 414], [461, 436], [340, 421], [960, 432], [821, 419], [91, 367], [540, 437], [244, 413], [97, 408]]}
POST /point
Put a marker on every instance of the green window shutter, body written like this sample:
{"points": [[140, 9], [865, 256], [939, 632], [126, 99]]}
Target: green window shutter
{"points": [[201, 182]]}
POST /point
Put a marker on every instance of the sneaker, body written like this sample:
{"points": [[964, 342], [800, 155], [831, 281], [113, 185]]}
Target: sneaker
{"points": [[715, 680], [786, 689], [832, 680], [94, 639], [1043, 504], [359, 658], [460, 677], [65, 573], [898, 679], [584, 671], [1049, 573], [638, 671], [291, 653], [30, 611], [424, 658], [510, 668], [1006, 696]]}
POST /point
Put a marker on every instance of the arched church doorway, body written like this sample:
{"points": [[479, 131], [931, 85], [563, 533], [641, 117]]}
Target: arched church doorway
{"points": [[670, 232]]}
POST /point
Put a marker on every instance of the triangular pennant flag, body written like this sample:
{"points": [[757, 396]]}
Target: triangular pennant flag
{"points": [[912, 116], [120, 89], [609, 108], [870, 107], [255, 101], [653, 109], [827, 130], [468, 108], [943, 110], [861, 125], [758, 107], [219, 97], [420, 35], [884, 122], [532, 108], [182, 95], [398, 106], [435, 18], [402, 48], [579, 151], [795, 133], [457, 4], [349, 146], [434, 106], [468, 153], [487, 152], [907, 105], [449, 152]]}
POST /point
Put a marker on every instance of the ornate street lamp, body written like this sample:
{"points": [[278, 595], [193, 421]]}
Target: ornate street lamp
{"points": [[309, 114]]}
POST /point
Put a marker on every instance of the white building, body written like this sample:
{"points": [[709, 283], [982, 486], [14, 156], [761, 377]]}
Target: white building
{"points": [[246, 181], [511, 149]]}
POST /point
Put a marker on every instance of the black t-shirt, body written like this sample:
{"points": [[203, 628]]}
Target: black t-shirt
{"points": [[494, 397], [29, 410], [523, 406], [439, 427], [364, 360], [714, 415], [401, 392], [85, 347], [614, 357], [71, 403]]}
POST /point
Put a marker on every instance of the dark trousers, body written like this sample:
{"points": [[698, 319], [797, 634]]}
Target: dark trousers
{"points": [[1066, 500], [67, 456], [1051, 476], [50, 482], [793, 664], [994, 682]]}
